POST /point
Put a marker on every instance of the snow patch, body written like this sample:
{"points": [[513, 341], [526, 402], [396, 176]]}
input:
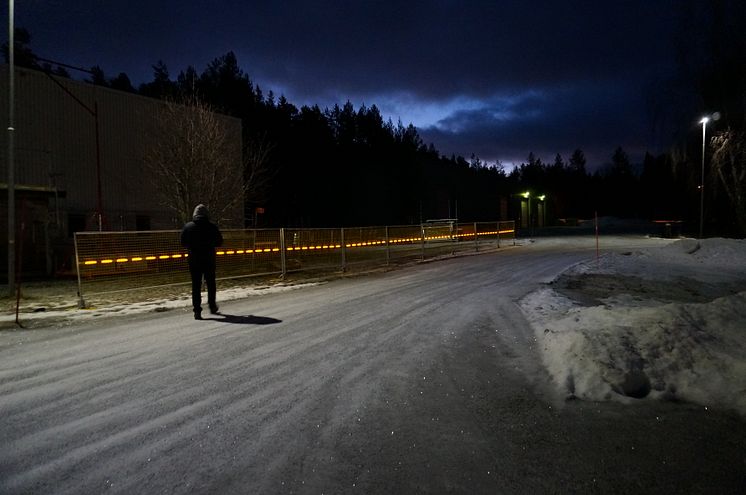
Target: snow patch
{"points": [[648, 341], [67, 312]]}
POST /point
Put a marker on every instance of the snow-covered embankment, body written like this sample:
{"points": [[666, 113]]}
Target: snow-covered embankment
{"points": [[666, 322]]}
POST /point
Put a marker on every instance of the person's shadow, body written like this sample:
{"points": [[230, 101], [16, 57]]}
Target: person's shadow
{"points": [[244, 320]]}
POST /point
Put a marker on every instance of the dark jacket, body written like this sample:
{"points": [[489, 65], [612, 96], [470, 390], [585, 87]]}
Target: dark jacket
{"points": [[201, 237]]}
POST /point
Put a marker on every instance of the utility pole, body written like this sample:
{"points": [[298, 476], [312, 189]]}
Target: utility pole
{"points": [[11, 157], [704, 122], [93, 112]]}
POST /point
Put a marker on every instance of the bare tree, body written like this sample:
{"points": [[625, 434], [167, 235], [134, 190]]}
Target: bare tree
{"points": [[194, 158], [257, 173], [729, 163]]}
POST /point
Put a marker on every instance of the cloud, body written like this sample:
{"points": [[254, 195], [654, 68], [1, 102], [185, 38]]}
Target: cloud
{"points": [[492, 78], [498, 79], [593, 116], [438, 49]]}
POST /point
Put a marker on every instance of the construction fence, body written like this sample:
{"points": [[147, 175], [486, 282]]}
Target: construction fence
{"points": [[120, 261]]}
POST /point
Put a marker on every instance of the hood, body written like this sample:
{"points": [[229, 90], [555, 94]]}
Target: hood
{"points": [[200, 211]]}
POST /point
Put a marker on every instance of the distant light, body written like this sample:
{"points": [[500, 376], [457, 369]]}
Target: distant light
{"points": [[704, 120], [526, 194], [542, 197]]}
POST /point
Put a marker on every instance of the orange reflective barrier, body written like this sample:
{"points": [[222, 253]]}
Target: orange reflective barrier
{"points": [[116, 261], [175, 256]]}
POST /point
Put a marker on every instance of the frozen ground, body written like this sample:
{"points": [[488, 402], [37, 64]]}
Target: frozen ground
{"points": [[427, 379], [666, 322], [58, 304]]}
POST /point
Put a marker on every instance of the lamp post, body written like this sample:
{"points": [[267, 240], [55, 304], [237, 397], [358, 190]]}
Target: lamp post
{"points": [[543, 212], [527, 197], [11, 159], [704, 122]]}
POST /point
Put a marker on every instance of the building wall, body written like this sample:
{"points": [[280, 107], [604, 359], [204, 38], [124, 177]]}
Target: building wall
{"points": [[55, 153]]}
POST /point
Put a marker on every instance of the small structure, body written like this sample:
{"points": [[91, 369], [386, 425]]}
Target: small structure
{"points": [[532, 210]]}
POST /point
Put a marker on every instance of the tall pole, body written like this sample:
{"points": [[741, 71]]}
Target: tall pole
{"points": [[11, 157], [702, 181], [595, 216], [94, 113], [99, 207]]}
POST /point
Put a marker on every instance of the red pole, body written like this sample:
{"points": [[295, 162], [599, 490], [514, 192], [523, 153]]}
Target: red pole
{"points": [[597, 254], [99, 207], [19, 256]]}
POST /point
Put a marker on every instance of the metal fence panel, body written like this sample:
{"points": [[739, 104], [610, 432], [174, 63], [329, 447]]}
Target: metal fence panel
{"points": [[506, 230], [366, 245], [249, 252], [406, 242], [313, 249], [110, 261], [119, 261]]}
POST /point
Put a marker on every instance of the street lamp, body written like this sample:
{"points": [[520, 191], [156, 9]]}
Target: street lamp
{"points": [[542, 210], [527, 197], [704, 122], [11, 157], [712, 117]]}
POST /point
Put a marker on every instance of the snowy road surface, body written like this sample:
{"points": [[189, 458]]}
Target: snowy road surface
{"points": [[423, 380]]}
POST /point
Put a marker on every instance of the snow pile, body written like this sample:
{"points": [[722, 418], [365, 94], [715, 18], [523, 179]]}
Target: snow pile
{"points": [[666, 323]]}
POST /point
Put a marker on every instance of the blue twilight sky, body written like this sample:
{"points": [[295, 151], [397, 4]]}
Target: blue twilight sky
{"points": [[495, 78]]}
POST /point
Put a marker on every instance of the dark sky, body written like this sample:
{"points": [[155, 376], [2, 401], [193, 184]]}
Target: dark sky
{"points": [[496, 78]]}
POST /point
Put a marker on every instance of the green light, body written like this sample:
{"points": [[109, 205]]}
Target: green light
{"points": [[526, 194], [542, 197]]}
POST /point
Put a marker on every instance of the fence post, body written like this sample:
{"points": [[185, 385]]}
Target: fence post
{"points": [[388, 247], [498, 234], [344, 250], [453, 238], [476, 238], [422, 232], [81, 301], [283, 261], [513, 229]]}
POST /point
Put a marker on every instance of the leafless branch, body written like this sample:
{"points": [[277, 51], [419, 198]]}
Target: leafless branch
{"points": [[257, 172], [729, 163], [193, 159]]}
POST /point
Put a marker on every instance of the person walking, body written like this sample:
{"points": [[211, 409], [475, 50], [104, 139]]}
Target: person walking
{"points": [[201, 237]]}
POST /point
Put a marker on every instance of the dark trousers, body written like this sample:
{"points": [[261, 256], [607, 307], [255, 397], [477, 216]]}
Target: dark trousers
{"points": [[199, 270]]}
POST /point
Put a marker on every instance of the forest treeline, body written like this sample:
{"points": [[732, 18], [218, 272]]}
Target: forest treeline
{"points": [[347, 166]]}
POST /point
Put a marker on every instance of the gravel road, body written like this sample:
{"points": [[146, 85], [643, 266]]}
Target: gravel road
{"points": [[421, 380]]}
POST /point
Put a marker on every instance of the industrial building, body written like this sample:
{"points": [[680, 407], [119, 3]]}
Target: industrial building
{"points": [[79, 166]]}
